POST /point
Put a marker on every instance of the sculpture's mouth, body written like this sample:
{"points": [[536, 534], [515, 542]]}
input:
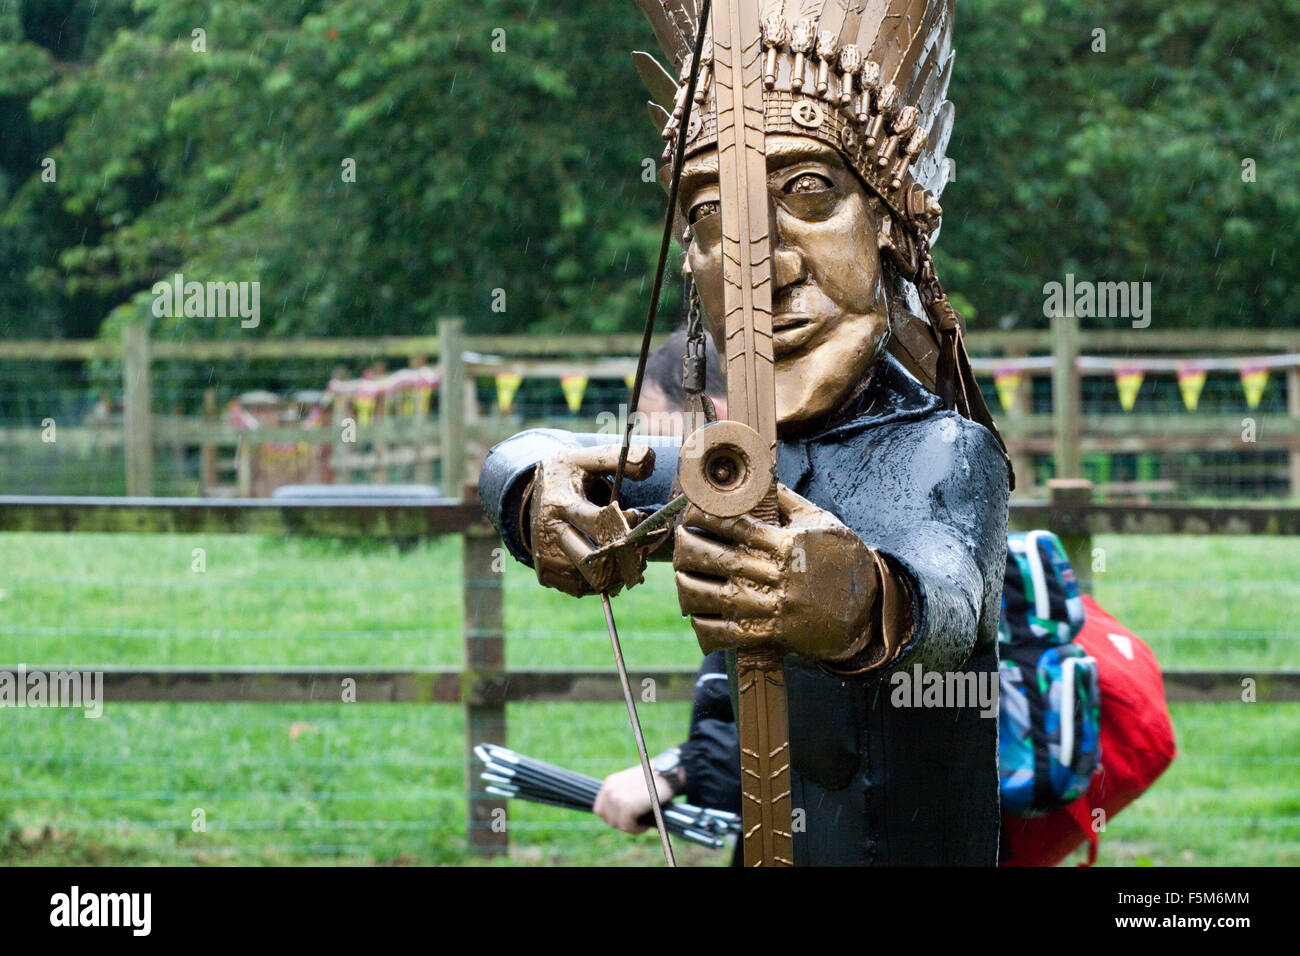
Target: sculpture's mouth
{"points": [[789, 320], [791, 331]]}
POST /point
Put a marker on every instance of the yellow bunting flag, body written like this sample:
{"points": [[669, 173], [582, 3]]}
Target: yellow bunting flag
{"points": [[365, 408], [1128, 380], [574, 386], [1191, 379], [1254, 379], [630, 379], [507, 384], [1007, 381], [423, 393]]}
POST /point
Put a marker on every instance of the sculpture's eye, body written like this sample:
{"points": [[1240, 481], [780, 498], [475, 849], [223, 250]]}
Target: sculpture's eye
{"points": [[807, 183], [702, 209]]}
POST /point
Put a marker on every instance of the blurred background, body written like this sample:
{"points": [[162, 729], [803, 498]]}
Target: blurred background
{"points": [[446, 210]]}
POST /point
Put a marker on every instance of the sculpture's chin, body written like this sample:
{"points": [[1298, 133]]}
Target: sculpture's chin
{"points": [[800, 404], [813, 383]]}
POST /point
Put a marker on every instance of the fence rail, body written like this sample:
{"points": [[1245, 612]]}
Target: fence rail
{"points": [[992, 342], [448, 685]]}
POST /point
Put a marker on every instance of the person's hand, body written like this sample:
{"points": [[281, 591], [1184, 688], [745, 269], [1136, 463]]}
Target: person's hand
{"points": [[623, 799], [807, 586], [566, 522]]}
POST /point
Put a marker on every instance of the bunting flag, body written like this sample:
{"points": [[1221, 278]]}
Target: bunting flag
{"points": [[1191, 379], [423, 393], [1007, 379], [630, 379], [364, 401], [507, 384], [574, 386], [1128, 379], [1254, 379], [405, 392]]}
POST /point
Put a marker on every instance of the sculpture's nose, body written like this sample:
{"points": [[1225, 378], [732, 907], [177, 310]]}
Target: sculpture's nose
{"points": [[787, 260], [787, 266]]}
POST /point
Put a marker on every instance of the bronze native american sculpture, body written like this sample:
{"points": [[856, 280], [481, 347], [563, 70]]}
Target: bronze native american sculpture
{"points": [[850, 518]]}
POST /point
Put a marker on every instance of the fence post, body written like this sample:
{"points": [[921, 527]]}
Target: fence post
{"points": [[244, 453], [422, 468], [1067, 399], [483, 689], [1293, 406], [137, 398], [208, 451], [451, 402], [1022, 461], [1071, 500]]}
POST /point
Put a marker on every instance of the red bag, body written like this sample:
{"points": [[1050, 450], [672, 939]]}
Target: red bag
{"points": [[1137, 744]]}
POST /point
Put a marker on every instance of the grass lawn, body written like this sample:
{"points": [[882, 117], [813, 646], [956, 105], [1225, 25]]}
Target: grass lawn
{"points": [[383, 783]]}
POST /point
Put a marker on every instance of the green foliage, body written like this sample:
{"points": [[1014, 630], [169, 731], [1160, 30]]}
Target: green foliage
{"points": [[475, 169], [498, 145], [1126, 165]]}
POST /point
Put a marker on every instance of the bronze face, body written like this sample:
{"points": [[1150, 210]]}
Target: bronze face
{"points": [[830, 314]]}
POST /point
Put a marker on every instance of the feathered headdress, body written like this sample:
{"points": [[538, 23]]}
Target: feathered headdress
{"points": [[868, 77]]}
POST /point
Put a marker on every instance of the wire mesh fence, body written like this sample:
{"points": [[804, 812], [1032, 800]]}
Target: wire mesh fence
{"points": [[1245, 471]]}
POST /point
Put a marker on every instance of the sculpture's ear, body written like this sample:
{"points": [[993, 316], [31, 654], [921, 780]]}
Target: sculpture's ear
{"points": [[898, 245]]}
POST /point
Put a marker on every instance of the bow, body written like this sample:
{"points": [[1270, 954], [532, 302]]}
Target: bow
{"points": [[730, 467]]}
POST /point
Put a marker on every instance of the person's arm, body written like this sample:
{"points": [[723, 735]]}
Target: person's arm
{"points": [[711, 754], [708, 770], [623, 800]]}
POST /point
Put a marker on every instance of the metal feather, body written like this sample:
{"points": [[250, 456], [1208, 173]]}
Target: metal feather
{"points": [[659, 83], [666, 18], [922, 46], [901, 24], [658, 115], [930, 171]]}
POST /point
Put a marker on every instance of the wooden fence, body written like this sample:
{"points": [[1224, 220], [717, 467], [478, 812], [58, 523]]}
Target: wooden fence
{"points": [[484, 685], [1066, 434]]}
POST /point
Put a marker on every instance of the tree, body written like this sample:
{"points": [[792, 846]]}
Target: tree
{"points": [[375, 164], [1127, 164]]}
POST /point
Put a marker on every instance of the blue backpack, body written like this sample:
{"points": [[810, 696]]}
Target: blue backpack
{"points": [[1049, 699]]}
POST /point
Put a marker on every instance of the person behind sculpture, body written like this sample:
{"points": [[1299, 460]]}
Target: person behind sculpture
{"points": [[706, 767], [889, 550]]}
